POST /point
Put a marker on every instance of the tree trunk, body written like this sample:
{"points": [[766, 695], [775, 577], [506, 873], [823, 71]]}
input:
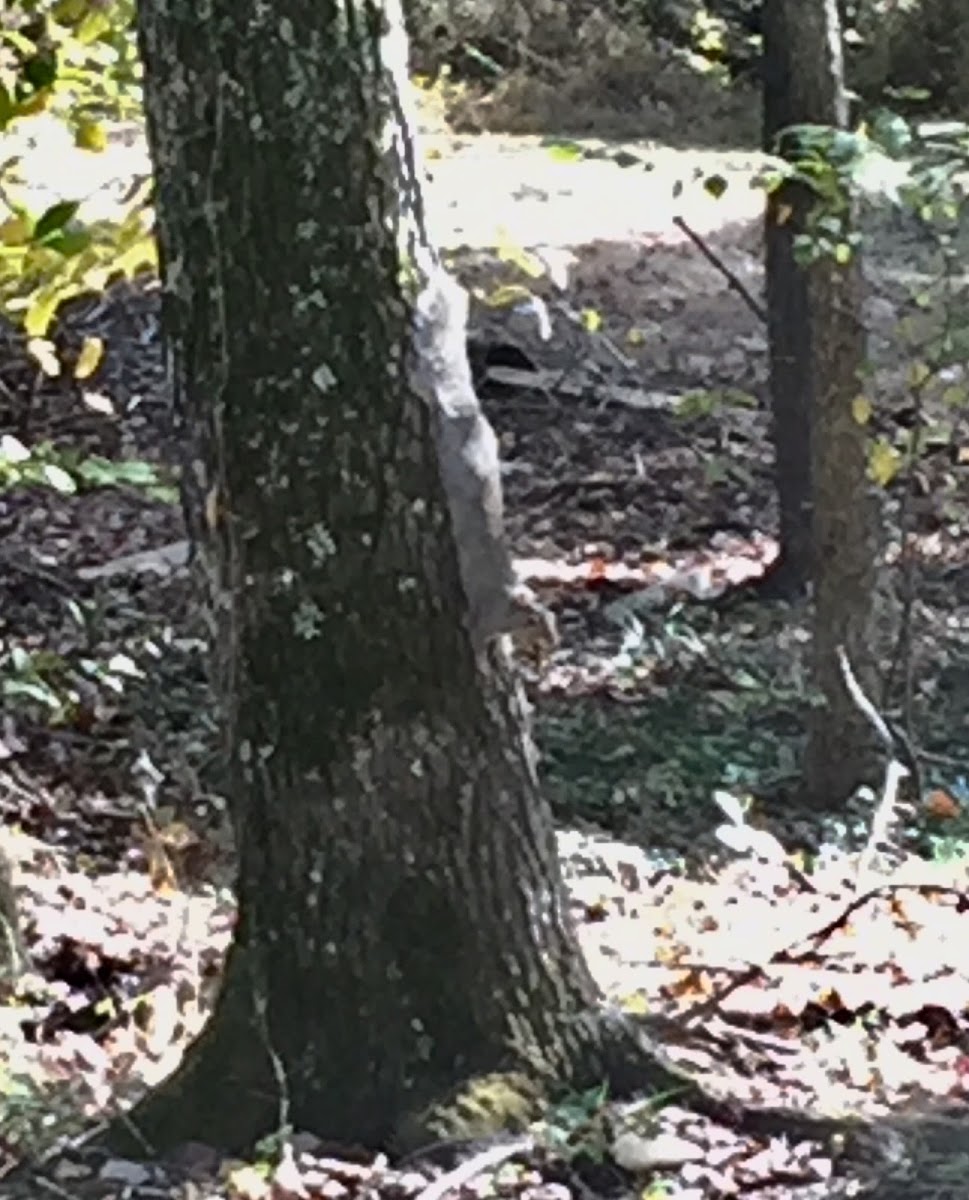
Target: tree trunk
{"points": [[840, 749], [840, 752], [801, 85], [401, 924]]}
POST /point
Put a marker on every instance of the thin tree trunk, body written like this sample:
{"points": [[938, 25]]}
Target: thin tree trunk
{"points": [[840, 752], [817, 347], [798, 88]]}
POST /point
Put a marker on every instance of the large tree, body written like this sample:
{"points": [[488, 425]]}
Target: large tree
{"points": [[401, 925]]}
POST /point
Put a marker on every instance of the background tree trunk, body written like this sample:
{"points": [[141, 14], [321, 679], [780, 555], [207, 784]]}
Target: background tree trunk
{"points": [[800, 86], [840, 752], [840, 748], [401, 917]]}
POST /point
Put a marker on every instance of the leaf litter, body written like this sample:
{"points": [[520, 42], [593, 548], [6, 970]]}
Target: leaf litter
{"points": [[634, 501]]}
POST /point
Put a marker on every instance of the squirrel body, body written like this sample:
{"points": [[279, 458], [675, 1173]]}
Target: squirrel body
{"points": [[469, 462]]}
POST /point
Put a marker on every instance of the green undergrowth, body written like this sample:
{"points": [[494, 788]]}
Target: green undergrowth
{"points": [[721, 701]]}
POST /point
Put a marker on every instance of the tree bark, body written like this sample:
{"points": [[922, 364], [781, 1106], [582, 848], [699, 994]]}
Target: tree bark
{"points": [[401, 923], [801, 85], [840, 750], [841, 753]]}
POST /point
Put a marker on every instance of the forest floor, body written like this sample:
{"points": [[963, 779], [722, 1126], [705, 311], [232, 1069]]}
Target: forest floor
{"points": [[638, 477]]}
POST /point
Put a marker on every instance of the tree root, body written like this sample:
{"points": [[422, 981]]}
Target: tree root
{"points": [[626, 1058]]}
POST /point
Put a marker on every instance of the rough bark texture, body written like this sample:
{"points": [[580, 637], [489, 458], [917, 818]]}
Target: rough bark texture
{"points": [[800, 86], [401, 923], [840, 751]]}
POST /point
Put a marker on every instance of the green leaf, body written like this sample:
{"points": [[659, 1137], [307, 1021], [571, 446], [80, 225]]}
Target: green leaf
{"points": [[8, 109], [21, 660], [55, 218], [40, 692], [564, 151], [69, 243], [715, 186], [103, 472]]}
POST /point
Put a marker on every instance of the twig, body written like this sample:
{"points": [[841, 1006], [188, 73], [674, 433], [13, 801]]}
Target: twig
{"points": [[786, 955], [945, 760], [35, 570], [731, 277], [858, 901], [462, 1174], [881, 821], [894, 742], [864, 705], [567, 311]]}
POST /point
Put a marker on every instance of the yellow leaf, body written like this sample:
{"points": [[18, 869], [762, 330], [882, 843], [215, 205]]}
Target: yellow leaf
{"points": [[635, 1002], [861, 410], [16, 230], [143, 253], [635, 337], [519, 257], [507, 296], [160, 869], [918, 373], [66, 12], [92, 26], [36, 104], [45, 354], [592, 320], [39, 315], [883, 462], [87, 361], [90, 135]]}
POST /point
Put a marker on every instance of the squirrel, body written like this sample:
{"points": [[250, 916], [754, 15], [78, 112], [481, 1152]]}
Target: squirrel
{"points": [[468, 459]]}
